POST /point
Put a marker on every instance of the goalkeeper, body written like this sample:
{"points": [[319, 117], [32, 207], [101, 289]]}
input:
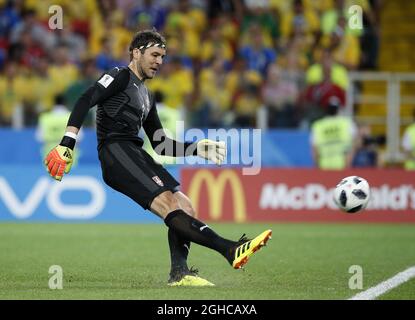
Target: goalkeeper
{"points": [[124, 105]]}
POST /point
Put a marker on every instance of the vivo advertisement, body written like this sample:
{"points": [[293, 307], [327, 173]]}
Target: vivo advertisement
{"points": [[31, 194]]}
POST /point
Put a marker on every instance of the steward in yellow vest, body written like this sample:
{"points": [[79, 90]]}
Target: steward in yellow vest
{"points": [[168, 118], [52, 125], [408, 145], [332, 139]]}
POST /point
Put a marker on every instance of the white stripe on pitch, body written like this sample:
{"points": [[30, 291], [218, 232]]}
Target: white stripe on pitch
{"points": [[385, 286]]}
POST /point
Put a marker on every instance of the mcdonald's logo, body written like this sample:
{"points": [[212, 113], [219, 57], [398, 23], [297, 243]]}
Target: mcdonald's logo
{"points": [[215, 193]]}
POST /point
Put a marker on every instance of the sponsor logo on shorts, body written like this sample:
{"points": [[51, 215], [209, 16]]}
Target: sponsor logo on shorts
{"points": [[157, 180]]}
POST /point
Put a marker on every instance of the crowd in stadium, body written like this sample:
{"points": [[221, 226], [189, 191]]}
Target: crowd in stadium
{"points": [[225, 59]]}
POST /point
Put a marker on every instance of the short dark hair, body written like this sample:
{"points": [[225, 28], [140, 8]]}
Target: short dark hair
{"points": [[145, 37], [333, 106], [60, 99]]}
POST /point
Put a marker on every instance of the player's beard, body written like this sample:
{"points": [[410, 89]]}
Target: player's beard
{"points": [[140, 70]]}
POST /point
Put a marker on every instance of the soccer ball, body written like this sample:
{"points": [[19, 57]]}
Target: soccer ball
{"points": [[352, 194]]}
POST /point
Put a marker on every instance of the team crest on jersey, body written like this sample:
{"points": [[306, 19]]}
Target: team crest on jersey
{"points": [[157, 180]]}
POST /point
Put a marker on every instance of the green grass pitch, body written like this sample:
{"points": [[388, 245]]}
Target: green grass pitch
{"points": [[131, 261]]}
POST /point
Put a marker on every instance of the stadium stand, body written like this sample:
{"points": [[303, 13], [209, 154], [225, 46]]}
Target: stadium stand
{"points": [[201, 36]]}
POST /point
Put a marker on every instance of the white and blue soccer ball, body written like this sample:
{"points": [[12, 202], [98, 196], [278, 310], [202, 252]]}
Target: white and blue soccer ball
{"points": [[352, 194]]}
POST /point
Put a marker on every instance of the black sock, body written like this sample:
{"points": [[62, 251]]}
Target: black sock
{"points": [[196, 231], [179, 250]]}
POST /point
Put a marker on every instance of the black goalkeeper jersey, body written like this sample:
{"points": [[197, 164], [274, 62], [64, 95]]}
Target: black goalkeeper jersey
{"points": [[124, 106]]}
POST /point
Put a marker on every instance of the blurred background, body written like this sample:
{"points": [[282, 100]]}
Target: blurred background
{"points": [[330, 84], [276, 65]]}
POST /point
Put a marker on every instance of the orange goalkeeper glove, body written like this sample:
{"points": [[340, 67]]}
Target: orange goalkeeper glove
{"points": [[58, 161]]}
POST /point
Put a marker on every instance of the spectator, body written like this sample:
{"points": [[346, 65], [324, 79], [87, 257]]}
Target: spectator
{"points": [[345, 46], [9, 18], [110, 24], [38, 32], [247, 100], [26, 51], [215, 45], [215, 99], [175, 83], [119, 35], [176, 52], [62, 72], [232, 8], [8, 93], [256, 54], [326, 66], [340, 9], [294, 62], [299, 19], [30, 112], [259, 13], [75, 43], [369, 41], [366, 155], [155, 13], [280, 95], [88, 77], [316, 97], [229, 28], [187, 23], [106, 60], [44, 87]]}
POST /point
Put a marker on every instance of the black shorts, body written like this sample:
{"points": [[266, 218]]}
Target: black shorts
{"points": [[129, 169]]}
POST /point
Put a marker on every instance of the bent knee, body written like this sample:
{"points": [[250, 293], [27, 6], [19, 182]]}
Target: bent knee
{"points": [[185, 204], [164, 203], [189, 210]]}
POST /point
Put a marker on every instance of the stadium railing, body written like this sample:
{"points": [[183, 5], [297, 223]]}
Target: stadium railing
{"points": [[393, 99]]}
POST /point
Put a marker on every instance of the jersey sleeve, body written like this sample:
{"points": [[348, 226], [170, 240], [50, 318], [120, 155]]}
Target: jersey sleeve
{"points": [[161, 143], [107, 85]]}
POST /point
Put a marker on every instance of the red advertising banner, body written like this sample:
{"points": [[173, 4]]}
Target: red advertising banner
{"points": [[297, 195]]}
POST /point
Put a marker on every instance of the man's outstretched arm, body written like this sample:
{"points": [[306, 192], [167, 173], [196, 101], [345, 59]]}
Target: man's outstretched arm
{"points": [[59, 159], [165, 146]]}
